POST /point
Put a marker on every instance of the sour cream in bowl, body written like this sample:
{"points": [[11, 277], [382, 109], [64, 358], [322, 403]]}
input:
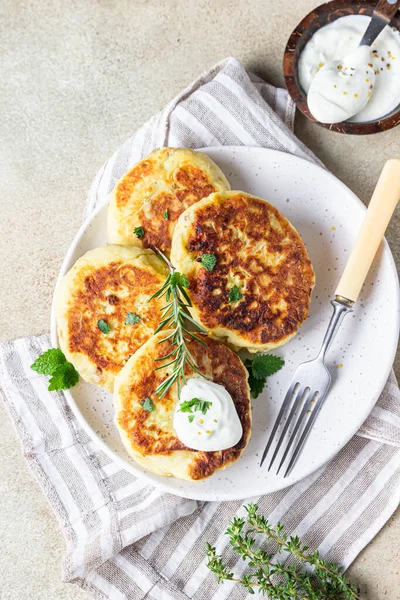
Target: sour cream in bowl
{"points": [[341, 89], [316, 37], [368, 82]]}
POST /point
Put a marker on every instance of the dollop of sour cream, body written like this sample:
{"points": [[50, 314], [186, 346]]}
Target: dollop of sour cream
{"points": [[341, 89], [219, 428], [339, 39]]}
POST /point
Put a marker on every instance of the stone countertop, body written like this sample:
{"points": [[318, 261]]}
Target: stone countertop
{"points": [[77, 78]]}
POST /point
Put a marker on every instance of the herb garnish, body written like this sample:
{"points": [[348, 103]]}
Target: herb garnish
{"points": [[103, 326], [132, 318], [235, 294], [147, 404], [49, 361], [276, 579], [176, 316], [259, 368], [53, 363], [209, 261], [166, 214], [195, 404], [138, 231]]}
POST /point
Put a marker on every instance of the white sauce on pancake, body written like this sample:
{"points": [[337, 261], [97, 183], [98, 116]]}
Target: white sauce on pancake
{"points": [[216, 427]]}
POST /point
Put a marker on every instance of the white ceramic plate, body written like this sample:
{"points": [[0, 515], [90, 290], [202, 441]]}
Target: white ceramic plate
{"points": [[327, 215]]}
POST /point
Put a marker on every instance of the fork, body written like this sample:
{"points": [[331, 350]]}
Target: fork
{"points": [[312, 379]]}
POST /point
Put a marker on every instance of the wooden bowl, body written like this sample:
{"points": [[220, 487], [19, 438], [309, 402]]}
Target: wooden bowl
{"points": [[317, 18]]}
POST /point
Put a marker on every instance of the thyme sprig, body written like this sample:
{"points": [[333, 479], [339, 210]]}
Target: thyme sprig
{"points": [[175, 315], [323, 580]]}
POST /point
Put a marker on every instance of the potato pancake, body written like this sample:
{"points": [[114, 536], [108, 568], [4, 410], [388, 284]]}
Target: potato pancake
{"points": [[149, 436], [146, 203], [103, 311], [258, 292]]}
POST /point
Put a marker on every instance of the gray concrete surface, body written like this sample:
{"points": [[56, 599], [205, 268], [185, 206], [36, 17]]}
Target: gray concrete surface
{"points": [[76, 78]]}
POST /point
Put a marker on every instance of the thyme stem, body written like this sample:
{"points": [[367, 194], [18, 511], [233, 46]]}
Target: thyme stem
{"points": [[278, 580]]}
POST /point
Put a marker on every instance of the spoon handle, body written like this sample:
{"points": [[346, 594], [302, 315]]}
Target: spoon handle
{"points": [[382, 15], [386, 9]]}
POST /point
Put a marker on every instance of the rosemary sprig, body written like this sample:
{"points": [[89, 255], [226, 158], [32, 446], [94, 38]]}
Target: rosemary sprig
{"points": [[175, 315], [324, 581]]}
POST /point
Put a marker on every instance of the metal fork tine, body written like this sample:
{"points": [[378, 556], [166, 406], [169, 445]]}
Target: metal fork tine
{"points": [[296, 402], [285, 403], [305, 433], [299, 422], [310, 381]]}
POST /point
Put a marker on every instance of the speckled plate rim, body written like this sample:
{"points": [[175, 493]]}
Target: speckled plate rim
{"points": [[163, 483]]}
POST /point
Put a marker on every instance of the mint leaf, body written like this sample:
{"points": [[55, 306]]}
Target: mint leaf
{"points": [[256, 385], [49, 361], [147, 404], [195, 404], [265, 365], [179, 280], [103, 326], [63, 373], [259, 368], [209, 261], [235, 294], [191, 418], [138, 231], [132, 318], [63, 378], [165, 214]]}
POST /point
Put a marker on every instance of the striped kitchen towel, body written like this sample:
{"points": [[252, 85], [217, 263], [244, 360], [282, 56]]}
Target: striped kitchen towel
{"points": [[128, 540]]}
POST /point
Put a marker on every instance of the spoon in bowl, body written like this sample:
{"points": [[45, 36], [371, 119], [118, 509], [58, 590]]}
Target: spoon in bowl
{"points": [[341, 88]]}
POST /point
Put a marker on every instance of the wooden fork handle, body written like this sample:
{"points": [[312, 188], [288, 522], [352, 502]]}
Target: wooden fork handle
{"points": [[378, 215], [387, 9]]}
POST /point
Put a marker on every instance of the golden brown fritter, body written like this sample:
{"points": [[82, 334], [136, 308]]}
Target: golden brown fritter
{"points": [[259, 290], [149, 436], [155, 193], [106, 284]]}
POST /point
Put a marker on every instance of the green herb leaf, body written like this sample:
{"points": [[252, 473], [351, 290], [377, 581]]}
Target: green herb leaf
{"points": [[259, 368], [179, 280], [147, 404], [103, 326], [265, 365], [63, 373], [166, 214], [235, 294], [138, 231], [195, 404], [256, 385], [132, 318], [190, 418], [209, 261], [63, 378], [49, 361]]}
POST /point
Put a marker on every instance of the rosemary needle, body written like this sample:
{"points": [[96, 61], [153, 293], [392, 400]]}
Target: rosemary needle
{"points": [[175, 316]]}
